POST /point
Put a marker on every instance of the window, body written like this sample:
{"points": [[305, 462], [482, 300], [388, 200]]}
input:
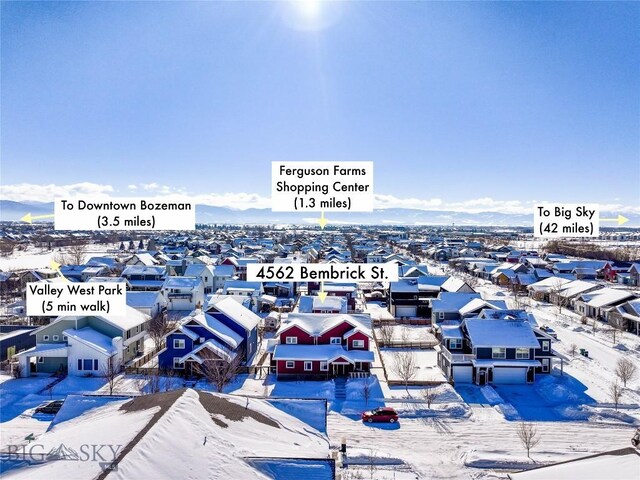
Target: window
{"points": [[56, 338], [522, 353], [45, 338], [324, 366], [441, 315], [308, 366], [498, 353], [79, 364], [95, 364], [292, 340], [40, 359], [545, 346], [65, 338], [358, 344], [545, 364], [177, 364], [291, 364], [455, 343], [336, 341], [87, 364], [178, 343]]}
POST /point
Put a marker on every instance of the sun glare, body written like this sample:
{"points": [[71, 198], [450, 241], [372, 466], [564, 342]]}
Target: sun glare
{"points": [[310, 9]]}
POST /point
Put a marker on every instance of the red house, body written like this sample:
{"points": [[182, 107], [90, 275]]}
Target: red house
{"points": [[323, 345]]}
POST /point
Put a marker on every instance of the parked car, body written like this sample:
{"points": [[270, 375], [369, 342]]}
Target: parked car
{"points": [[49, 407], [382, 414], [549, 331]]}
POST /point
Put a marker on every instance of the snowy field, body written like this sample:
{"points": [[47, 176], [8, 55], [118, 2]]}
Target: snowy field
{"points": [[35, 257]]}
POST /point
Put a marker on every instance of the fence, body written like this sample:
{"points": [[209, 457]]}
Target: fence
{"points": [[420, 345]]}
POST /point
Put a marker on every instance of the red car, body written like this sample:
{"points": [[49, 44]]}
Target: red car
{"points": [[382, 414]]}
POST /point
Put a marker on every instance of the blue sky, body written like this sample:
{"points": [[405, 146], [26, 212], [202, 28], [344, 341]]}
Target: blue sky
{"points": [[486, 106]]}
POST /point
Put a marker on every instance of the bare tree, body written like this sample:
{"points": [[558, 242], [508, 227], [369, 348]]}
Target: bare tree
{"points": [[559, 300], [429, 396], [366, 390], [404, 335], [626, 370], [219, 371], [404, 366], [77, 251], [614, 332], [573, 348], [151, 383], [386, 333], [158, 329], [111, 371], [169, 379], [594, 326], [528, 435], [615, 391], [371, 463]]}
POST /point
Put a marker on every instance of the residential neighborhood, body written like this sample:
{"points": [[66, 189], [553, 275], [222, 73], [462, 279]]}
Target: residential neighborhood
{"points": [[540, 345]]}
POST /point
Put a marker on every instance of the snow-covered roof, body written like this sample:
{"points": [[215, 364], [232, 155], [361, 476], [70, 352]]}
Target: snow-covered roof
{"points": [[451, 329], [144, 270], [166, 434], [146, 259], [325, 353], [92, 338], [308, 303], [576, 287], [236, 312], [453, 284], [196, 269], [219, 350], [500, 333], [620, 464], [181, 282], [452, 301], [548, 284], [215, 326], [315, 324], [142, 299], [478, 303], [605, 296]]}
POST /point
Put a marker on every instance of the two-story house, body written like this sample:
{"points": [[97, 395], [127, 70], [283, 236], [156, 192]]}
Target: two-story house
{"points": [[496, 348], [83, 344], [319, 346], [183, 293], [144, 278]]}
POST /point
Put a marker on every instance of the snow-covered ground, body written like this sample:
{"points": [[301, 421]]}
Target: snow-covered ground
{"points": [[426, 361], [409, 333], [36, 257], [467, 432]]}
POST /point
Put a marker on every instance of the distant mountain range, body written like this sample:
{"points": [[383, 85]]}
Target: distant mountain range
{"points": [[12, 211]]}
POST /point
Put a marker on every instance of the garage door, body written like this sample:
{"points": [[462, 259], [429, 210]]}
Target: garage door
{"points": [[406, 311], [462, 374], [509, 375]]}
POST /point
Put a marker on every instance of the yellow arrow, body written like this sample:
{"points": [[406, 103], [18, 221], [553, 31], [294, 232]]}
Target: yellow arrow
{"points": [[322, 295], [621, 219], [30, 218], [322, 221]]}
